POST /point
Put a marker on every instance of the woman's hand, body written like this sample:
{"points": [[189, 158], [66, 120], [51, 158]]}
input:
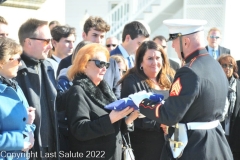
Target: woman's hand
{"points": [[31, 115], [26, 146], [134, 115], [28, 141], [117, 115]]}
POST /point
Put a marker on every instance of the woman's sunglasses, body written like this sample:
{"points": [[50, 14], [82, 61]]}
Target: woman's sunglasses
{"points": [[14, 59], [230, 66], [100, 64]]}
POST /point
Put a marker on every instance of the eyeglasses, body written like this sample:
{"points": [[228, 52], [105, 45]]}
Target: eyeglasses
{"points": [[122, 71], [164, 47], [14, 59], [109, 45], [3, 34], [230, 66], [100, 64], [214, 37], [46, 41]]}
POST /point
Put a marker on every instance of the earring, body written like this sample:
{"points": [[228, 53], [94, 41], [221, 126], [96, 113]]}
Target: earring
{"points": [[141, 68]]}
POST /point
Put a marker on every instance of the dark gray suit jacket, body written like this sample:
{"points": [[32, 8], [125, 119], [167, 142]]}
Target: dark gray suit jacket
{"points": [[28, 79], [222, 50]]}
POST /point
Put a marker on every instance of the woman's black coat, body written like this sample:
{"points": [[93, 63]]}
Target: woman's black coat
{"points": [[90, 126], [148, 137]]}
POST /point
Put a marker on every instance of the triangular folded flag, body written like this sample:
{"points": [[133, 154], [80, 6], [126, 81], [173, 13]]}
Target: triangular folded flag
{"points": [[125, 102]]}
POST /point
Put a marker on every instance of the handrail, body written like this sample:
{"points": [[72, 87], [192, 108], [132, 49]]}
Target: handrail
{"points": [[125, 12]]}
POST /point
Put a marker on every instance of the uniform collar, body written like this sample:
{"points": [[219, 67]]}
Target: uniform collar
{"points": [[195, 54]]}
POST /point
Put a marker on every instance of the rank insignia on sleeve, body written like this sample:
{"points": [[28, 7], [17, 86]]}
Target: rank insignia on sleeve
{"points": [[176, 88], [157, 110]]}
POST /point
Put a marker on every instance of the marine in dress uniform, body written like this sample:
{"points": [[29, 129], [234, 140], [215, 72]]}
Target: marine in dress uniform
{"points": [[196, 99]]}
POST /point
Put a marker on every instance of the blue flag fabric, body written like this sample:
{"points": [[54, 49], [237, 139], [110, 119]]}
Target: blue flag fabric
{"points": [[125, 102]]}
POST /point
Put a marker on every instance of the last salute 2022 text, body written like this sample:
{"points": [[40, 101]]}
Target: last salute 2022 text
{"points": [[62, 154]]}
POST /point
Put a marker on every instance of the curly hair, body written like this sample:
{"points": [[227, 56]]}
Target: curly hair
{"points": [[230, 59], [97, 23]]}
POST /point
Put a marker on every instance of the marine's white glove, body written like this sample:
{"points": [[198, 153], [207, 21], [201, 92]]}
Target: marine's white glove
{"points": [[139, 96]]}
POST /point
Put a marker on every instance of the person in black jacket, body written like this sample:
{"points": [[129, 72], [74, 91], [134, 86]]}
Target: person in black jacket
{"points": [[232, 119], [94, 131], [37, 80], [151, 73]]}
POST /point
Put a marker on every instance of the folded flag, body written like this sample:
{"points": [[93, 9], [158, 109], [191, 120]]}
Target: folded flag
{"points": [[125, 102]]}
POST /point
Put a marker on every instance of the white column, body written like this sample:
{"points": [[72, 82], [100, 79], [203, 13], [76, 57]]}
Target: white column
{"points": [[232, 25]]}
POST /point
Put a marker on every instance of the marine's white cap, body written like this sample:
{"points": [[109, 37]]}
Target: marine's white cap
{"points": [[181, 27]]}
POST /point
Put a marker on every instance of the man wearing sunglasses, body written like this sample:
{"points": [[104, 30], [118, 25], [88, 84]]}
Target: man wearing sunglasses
{"points": [[161, 40], [37, 80], [111, 43], [213, 47]]}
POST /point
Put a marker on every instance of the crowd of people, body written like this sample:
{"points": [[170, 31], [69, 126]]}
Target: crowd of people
{"points": [[53, 93]]}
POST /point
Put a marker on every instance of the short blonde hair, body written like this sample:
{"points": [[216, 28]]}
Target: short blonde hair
{"points": [[214, 29], [119, 58], [9, 46], [83, 56]]}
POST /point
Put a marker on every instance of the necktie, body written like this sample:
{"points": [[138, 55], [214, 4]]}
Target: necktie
{"points": [[214, 53], [130, 63]]}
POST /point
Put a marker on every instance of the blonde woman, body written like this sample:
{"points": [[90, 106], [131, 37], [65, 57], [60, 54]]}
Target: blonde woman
{"points": [[92, 128], [122, 63]]}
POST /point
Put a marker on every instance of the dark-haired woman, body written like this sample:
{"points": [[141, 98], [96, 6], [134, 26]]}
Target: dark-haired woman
{"points": [[151, 73]]}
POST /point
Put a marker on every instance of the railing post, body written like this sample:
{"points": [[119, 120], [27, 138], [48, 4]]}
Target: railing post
{"points": [[133, 6]]}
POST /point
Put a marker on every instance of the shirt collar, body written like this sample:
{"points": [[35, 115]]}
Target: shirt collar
{"points": [[57, 58], [211, 49], [123, 51]]}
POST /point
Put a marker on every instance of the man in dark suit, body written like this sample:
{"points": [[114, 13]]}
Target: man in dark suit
{"points": [[161, 40], [213, 47], [134, 33]]}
